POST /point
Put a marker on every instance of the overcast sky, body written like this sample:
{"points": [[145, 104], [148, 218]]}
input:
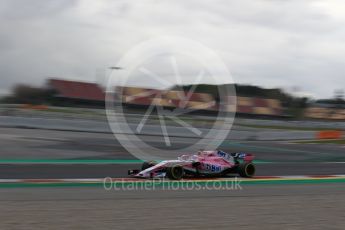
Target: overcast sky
{"points": [[271, 43]]}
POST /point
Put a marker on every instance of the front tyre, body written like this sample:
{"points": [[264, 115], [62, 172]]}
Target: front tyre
{"points": [[246, 169], [175, 172]]}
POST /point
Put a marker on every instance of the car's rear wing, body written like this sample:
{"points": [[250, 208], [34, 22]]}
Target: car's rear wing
{"points": [[246, 157]]}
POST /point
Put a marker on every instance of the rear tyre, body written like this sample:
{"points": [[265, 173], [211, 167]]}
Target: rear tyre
{"points": [[246, 170], [147, 164], [175, 172]]}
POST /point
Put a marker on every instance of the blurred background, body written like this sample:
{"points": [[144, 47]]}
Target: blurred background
{"points": [[285, 58], [287, 65]]}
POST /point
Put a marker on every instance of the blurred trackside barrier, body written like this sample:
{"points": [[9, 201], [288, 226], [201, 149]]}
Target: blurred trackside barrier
{"points": [[34, 107], [200, 101], [329, 134], [325, 113]]}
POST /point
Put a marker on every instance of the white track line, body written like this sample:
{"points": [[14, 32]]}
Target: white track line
{"points": [[101, 180]]}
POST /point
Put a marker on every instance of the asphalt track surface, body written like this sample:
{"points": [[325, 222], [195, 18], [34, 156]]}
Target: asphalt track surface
{"points": [[151, 128], [52, 171], [87, 149], [312, 206], [27, 153]]}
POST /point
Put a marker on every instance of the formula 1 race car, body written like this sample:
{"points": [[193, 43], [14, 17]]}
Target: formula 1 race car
{"points": [[203, 164]]}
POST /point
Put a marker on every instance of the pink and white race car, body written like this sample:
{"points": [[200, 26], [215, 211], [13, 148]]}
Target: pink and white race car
{"points": [[203, 164]]}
